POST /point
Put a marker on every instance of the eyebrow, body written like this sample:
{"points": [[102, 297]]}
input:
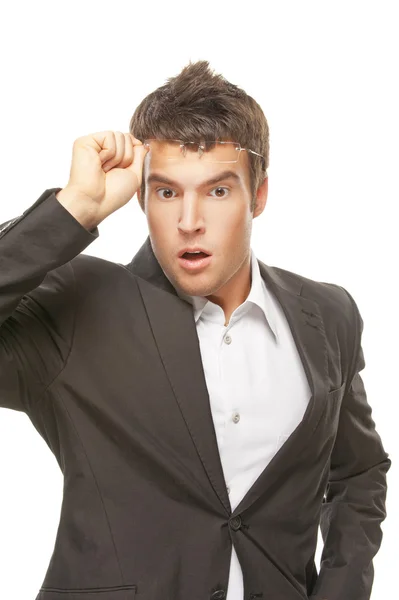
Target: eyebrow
{"points": [[222, 176]]}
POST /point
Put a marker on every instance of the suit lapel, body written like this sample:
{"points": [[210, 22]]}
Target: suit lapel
{"points": [[175, 333]]}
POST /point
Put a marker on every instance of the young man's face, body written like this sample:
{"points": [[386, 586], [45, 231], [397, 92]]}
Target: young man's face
{"points": [[184, 210]]}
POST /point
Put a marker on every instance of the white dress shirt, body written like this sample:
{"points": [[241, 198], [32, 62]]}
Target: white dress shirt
{"points": [[257, 388]]}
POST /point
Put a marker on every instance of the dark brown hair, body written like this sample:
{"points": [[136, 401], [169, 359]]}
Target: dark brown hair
{"points": [[198, 104]]}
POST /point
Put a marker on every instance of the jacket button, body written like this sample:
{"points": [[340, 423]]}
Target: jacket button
{"points": [[235, 523], [218, 595]]}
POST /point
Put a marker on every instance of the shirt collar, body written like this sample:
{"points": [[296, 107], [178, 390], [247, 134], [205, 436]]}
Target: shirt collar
{"points": [[259, 295]]}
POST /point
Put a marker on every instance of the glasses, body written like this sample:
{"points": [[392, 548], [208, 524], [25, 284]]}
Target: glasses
{"points": [[208, 151]]}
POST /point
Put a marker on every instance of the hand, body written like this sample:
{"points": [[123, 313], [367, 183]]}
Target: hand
{"points": [[106, 170]]}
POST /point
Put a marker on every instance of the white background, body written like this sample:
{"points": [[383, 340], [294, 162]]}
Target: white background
{"points": [[326, 76]]}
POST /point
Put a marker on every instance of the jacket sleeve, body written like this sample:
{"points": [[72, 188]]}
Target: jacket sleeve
{"points": [[354, 504], [37, 300]]}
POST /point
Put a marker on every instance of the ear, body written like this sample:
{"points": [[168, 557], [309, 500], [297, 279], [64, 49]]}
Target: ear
{"points": [[261, 197]]}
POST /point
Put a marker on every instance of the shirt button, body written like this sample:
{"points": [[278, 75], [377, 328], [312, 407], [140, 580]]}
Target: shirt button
{"points": [[236, 417], [235, 523], [227, 339], [228, 490]]}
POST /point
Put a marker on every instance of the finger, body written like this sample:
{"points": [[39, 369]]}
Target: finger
{"points": [[136, 142], [129, 152], [119, 152], [138, 161], [105, 144]]}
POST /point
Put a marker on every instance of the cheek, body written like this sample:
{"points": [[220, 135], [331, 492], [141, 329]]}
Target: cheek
{"points": [[162, 231], [237, 223], [158, 221]]}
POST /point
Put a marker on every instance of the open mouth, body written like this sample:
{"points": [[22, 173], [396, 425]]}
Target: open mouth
{"points": [[194, 255], [194, 261]]}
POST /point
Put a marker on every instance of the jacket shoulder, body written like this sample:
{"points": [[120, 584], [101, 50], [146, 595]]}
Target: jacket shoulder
{"points": [[328, 295], [339, 312], [337, 307]]}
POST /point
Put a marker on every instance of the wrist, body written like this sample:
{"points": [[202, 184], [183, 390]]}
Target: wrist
{"points": [[80, 206]]}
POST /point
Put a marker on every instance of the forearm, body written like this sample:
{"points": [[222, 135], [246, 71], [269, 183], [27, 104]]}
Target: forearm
{"points": [[33, 247], [350, 524]]}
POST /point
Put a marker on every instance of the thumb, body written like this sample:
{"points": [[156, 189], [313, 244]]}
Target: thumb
{"points": [[137, 164]]}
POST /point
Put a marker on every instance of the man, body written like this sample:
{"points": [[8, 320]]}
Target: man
{"points": [[206, 410]]}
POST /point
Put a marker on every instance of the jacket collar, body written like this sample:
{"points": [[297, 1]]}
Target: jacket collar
{"points": [[173, 327]]}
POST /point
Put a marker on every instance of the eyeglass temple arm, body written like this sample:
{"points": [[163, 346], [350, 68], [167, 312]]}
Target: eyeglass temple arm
{"points": [[257, 154]]}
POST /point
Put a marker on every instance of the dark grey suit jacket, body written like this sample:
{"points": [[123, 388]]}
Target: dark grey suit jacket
{"points": [[104, 358]]}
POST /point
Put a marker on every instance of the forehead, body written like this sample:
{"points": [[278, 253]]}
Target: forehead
{"points": [[191, 169]]}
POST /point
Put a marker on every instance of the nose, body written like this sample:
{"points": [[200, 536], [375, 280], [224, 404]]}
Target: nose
{"points": [[191, 218]]}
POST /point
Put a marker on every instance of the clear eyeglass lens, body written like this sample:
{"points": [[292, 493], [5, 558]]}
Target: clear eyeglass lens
{"points": [[209, 151]]}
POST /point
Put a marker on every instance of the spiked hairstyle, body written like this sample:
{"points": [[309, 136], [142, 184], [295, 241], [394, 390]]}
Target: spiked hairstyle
{"points": [[197, 104]]}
